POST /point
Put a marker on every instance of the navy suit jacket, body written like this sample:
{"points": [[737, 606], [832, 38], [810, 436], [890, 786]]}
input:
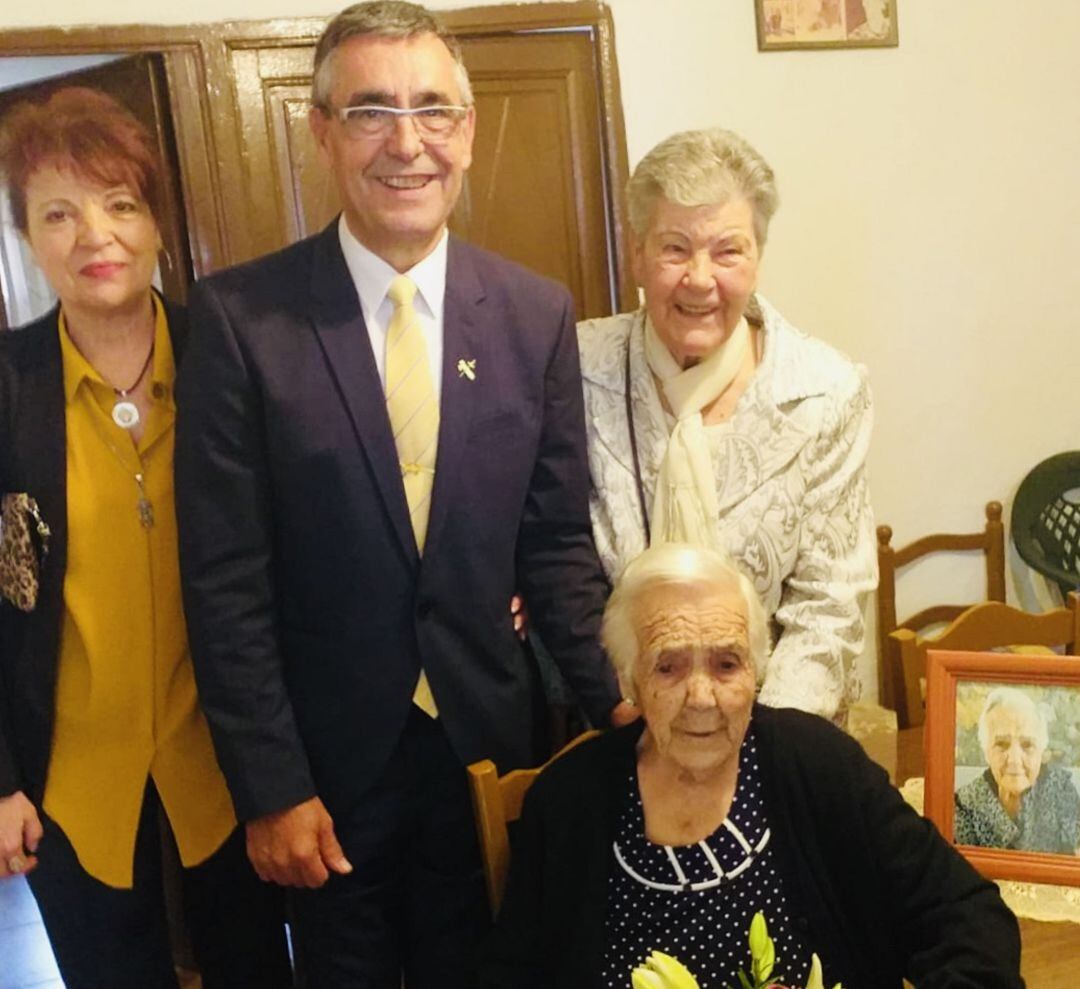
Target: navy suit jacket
{"points": [[309, 610]]}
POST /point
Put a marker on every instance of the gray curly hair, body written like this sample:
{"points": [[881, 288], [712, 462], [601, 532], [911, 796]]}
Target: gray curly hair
{"points": [[699, 168]]}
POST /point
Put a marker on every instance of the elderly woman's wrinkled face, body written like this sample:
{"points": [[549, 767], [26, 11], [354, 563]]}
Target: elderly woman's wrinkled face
{"points": [[1013, 752], [698, 266], [694, 677], [96, 244]]}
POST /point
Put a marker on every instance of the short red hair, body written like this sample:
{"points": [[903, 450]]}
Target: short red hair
{"points": [[82, 130]]}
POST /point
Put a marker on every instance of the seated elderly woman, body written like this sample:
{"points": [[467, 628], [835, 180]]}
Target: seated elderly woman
{"points": [[671, 833], [1018, 802], [712, 420]]}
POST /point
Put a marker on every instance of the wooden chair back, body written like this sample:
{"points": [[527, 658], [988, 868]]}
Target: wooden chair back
{"points": [[991, 542], [497, 801], [990, 625]]}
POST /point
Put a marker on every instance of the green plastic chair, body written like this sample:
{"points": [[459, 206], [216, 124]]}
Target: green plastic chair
{"points": [[1046, 520]]}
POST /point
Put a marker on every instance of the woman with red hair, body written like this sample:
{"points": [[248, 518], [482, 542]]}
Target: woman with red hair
{"points": [[103, 749]]}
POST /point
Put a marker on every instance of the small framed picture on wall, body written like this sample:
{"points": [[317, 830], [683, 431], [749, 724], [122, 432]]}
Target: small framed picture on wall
{"points": [[1003, 761], [787, 24]]}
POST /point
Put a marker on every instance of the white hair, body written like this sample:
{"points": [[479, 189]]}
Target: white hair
{"points": [[1015, 700], [676, 565]]}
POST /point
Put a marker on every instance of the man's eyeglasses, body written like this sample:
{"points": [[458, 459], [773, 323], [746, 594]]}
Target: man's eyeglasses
{"points": [[433, 123]]}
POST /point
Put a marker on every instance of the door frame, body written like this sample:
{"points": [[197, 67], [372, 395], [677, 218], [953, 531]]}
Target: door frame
{"points": [[205, 117]]}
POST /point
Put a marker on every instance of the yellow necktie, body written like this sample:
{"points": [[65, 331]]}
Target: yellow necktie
{"points": [[414, 421]]}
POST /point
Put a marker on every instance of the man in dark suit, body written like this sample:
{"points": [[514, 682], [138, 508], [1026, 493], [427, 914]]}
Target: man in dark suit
{"points": [[367, 467]]}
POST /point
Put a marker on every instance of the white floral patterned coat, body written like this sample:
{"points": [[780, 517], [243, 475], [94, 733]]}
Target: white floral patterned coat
{"points": [[794, 509]]}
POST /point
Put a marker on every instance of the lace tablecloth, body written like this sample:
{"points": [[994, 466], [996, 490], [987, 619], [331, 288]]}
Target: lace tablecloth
{"points": [[1036, 901]]}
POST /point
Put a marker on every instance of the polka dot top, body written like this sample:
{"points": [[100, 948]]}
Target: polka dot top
{"points": [[695, 902]]}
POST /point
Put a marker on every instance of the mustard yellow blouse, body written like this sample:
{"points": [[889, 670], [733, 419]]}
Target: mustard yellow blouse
{"points": [[126, 705]]}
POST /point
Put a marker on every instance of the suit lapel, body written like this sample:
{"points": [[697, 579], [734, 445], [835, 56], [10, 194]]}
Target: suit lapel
{"points": [[42, 433], [651, 430], [176, 320], [464, 338], [343, 336], [606, 376], [763, 439], [41, 444], [767, 442]]}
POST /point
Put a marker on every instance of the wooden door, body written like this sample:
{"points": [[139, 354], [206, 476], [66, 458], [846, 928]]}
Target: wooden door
{"points": [[540, 187], [287, 194], [535, 191], [138, 82]]}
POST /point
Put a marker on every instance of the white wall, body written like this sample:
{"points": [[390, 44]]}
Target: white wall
{"points": [[65, 13], [20, 71], [929, 226]]}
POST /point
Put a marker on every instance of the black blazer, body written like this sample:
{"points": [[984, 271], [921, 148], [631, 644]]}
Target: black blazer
{"points": [[33, 458], [309, 610], [875, 889]]}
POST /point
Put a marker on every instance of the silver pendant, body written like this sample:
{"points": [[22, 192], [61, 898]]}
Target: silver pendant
{"points": [[126, 414], [145, 506]]}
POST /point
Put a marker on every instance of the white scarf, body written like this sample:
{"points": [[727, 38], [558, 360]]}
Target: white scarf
{"points": [[685, 508]]}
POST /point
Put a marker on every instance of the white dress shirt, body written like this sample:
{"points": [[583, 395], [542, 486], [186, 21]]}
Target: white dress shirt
{"points": [[372, 277]]}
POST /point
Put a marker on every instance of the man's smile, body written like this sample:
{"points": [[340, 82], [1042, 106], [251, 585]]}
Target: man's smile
{"points": [[405, 181]]}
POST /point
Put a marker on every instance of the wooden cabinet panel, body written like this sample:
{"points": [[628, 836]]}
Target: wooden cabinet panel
{"points": [[535, 189], [309, 191], [282, 172]]}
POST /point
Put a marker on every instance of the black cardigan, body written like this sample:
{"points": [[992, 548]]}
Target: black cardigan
{"points": [[33, 458], [878, 893]]}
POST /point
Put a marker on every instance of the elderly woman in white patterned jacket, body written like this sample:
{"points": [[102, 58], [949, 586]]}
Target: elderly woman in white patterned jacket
{"points": [[711, 419]]}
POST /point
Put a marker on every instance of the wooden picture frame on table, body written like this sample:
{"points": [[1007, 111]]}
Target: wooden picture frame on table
{"points": [[787, 24], [962, 792]]}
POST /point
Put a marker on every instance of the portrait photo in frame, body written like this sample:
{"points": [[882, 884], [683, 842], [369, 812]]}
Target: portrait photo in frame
{"points": [[788, 24], [1003, 761]]}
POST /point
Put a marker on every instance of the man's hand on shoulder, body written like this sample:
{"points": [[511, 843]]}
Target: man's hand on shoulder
{"points": [[623, 713], [296, 846]]}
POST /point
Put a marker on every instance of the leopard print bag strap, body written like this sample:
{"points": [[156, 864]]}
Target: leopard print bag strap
{"points": [[20, 566]]}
